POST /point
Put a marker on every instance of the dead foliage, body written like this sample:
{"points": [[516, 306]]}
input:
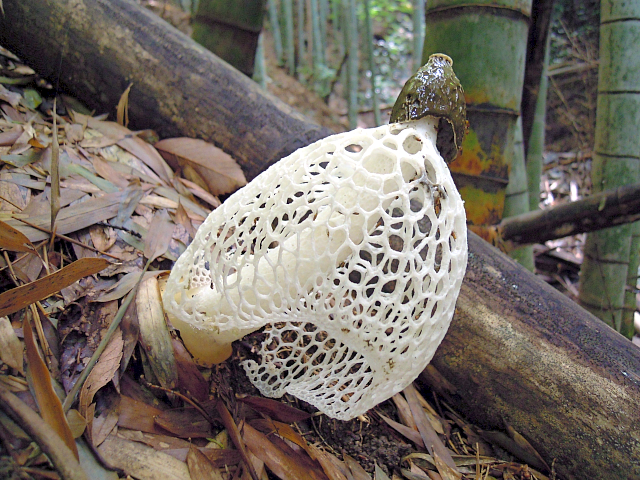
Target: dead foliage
{"points": [[82, 310]]}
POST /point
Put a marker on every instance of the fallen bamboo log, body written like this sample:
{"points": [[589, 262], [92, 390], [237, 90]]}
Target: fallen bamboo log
{"points": [[517, 351]]}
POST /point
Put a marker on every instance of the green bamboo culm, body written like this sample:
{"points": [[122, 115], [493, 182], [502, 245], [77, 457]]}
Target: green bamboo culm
{"points": [[260, 71], [288, 36], [372, 64], [488, 46], [630, 293], [418, 33], [323, 10], [351, 36], [517, 195], [317, 57], [536, 139], [301, 60], [275, 30], [616, 161], [230, 30]]}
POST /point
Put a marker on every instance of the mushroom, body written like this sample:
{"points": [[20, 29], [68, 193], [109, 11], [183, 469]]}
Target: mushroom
{"points": [[349, 254]]}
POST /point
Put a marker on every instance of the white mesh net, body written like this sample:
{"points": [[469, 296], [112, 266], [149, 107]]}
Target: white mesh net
{"points": [[350, 252]]}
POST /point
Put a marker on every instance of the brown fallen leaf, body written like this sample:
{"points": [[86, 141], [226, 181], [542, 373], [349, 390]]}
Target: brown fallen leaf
{"points": [[190, 380], [405, 431], [357, 471], [161, 231], [218, 169], [275, 409], [102, 373], [284, 466], [14, 240], [18, 298], [200, 466], [137, 415], [445, 471], [185, 423], [48, 402], [10, 346], [431, 440]]}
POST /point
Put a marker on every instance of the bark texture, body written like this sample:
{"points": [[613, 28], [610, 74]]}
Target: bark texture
{"points": [[517, 350], [96, 48]]}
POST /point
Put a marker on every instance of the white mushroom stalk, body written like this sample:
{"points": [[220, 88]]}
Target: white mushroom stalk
{"points": [[349, 253]]}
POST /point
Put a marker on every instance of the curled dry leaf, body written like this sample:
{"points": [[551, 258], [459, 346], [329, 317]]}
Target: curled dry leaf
{"points": [[220, 172]]}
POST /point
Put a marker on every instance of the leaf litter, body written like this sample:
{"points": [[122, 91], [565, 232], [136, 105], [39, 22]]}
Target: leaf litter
{"points": [[102, 362]]}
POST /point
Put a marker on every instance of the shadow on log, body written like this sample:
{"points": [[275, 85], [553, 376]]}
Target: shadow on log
{"points": [[517, 351]]}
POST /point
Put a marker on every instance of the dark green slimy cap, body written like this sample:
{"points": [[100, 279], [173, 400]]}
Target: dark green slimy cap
{"points": [[435, 90]]}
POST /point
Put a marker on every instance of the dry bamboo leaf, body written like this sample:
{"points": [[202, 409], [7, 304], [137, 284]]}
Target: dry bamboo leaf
{"points": [[10, 346], [74, 132], [140, 461], [201, 193], [54, 171], [200, 466], [357, 471], [445, 471], [379, 474], [157, 242], [405, 431], [431, 440], [103, 425], [283, 466], [14, 240], [12, 98], [333, 467], [106, 171], [154, 334], [48, 402], [218, 169], [190, 380], [275, 409], [122, 112], [102, 373], [9, 137], [524, 444], [157, 441], [404, 412], [15, 299], [77, 423], [137, 415], [74, 217], [185, 423], [134, 145], [103, 238], [181, 218], [31, 266]]}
